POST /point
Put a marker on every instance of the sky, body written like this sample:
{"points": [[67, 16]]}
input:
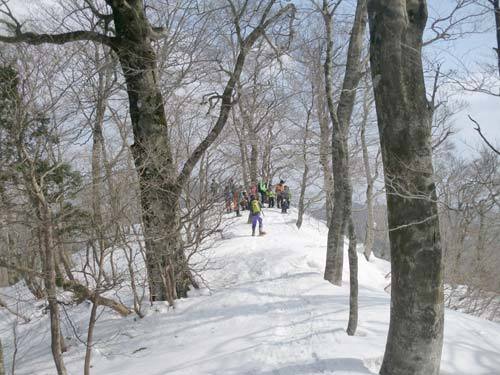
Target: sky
{"points": [[471, 52], [465, 52]]}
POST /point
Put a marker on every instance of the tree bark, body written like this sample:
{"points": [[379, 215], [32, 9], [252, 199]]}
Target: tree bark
{"points": [[415, 338]]}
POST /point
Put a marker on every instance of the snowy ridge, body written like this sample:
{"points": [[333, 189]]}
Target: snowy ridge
{"points": [[268, 311]]}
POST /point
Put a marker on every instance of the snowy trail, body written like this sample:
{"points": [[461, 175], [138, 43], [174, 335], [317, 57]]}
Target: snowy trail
{"points": [[269, 312]]}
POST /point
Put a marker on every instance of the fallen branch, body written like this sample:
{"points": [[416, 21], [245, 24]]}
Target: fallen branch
{"points": [[83, 293]]}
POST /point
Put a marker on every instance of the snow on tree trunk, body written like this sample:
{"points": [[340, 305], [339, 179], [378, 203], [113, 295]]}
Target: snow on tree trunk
{"points": [[415, 336]]}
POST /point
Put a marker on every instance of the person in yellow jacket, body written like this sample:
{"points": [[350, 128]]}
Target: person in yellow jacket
{"points": [[255, 212]]}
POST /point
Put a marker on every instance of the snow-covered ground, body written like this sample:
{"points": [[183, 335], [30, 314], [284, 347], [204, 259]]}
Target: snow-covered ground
{"points": [[268, 311]]}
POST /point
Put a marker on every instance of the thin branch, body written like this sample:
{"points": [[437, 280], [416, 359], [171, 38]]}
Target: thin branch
{"points": [[478, 129]]}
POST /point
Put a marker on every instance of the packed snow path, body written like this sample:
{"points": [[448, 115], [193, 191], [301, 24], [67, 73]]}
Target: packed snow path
{"points": [[268, 312]]}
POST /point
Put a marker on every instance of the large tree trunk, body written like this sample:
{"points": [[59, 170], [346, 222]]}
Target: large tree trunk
{"points": [[342, 197], [415, 338], [151, 150]]}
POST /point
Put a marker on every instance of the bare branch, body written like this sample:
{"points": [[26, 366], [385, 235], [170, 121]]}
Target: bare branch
{"points": [[73, 36], [478, 129]]}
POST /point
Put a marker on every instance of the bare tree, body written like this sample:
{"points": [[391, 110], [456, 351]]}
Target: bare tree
{"points": [[415, 336], [29, 138], [160, 182]]}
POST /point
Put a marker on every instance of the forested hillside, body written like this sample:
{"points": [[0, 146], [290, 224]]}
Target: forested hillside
{"points": [[249, 186]]}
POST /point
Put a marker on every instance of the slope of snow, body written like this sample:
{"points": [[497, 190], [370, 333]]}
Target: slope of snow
{"points": [[268, 311]]}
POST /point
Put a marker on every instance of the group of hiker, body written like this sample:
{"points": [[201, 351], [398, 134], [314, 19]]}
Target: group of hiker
{"points": [[254, 198]]}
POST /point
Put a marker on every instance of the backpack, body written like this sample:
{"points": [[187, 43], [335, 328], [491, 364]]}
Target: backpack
{"points": [[255, 207]]}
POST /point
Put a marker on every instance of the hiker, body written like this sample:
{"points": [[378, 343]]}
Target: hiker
{"points": [[262, 191], [270, 197], [214, 188], [286, 195], [228, 195], [278, 190], [244, 201], [253, 189], [255, 211], [236, 199]]}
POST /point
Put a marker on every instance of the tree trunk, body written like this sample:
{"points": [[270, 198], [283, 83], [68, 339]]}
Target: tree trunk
{"points": [[2, 364], [90, 339], [353, 280], [496, 9], [415, 338], [334, 251], [151, 149], [480, 245], [254, 156], [303, 186], [325, 156], [50, 288], [305, 173], [341, 119], [243, 149], [369, 230]]}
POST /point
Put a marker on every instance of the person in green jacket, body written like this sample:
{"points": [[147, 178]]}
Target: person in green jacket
{"points": [[262, 190]]}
